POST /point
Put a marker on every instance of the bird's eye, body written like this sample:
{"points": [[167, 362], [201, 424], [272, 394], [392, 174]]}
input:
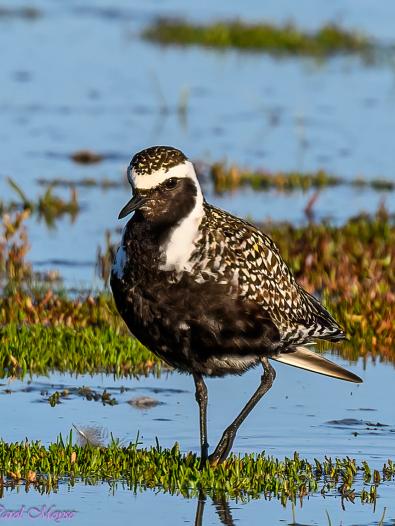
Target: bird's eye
{"points": [[171, 183]]}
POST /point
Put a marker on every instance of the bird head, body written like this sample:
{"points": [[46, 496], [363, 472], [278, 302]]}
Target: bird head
{"points": [[164, 186]]}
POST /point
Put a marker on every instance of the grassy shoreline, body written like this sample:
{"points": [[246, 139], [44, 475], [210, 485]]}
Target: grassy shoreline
{"points": [[40, 350], [250, 476]]}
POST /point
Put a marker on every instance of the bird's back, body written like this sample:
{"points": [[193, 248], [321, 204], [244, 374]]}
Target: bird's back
{"points": [[234, 252]]}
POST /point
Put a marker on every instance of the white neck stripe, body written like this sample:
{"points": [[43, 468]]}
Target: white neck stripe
{"points": [[181, 241]]}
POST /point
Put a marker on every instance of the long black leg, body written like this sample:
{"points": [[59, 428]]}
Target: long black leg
{"points": [[202, 399], [225, 444]]}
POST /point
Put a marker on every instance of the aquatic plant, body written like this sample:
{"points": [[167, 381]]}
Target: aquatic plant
{"points": [[85, 182], [226, 178], [285, 39], [38, 349], [51, 308], [48, 206], [86, 157], [85, 392], [13, 249], [250, 476]]}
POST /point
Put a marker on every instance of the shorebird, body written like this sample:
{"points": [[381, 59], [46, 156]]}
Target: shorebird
{"points": [[208, 292]]}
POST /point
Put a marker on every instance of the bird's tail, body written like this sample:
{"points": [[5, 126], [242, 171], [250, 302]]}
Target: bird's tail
{"points": [[305, 359]]}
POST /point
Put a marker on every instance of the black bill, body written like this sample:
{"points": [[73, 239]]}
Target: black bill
{"points": [[134, 204]]}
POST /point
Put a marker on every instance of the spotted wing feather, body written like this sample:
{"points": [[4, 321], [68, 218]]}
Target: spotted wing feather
{"points": [[233, 251]]}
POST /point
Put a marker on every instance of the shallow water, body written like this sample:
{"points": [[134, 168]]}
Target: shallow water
{"points": [[303, 412], [296, 415], [79, 76], [101, 504]]}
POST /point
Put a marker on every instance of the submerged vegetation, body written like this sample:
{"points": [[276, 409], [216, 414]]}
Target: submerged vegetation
{"points": [[251, 476], [286, 39]]}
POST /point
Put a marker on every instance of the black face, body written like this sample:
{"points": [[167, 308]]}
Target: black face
{"points": [[166, 204]]}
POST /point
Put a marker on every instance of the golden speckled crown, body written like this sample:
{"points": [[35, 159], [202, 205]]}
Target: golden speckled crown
{"points": [[156, 158]]}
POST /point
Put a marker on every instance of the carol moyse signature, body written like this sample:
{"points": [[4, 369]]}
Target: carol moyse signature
{"points": [[36, 512]]}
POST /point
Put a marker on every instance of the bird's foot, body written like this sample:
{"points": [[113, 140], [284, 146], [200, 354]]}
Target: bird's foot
{"points": [[223, 448]]}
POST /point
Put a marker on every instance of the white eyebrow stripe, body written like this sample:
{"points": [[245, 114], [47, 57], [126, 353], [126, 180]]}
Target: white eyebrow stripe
{"points": [[147, 181]]}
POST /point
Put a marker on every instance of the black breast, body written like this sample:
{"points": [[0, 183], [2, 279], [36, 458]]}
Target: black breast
{"points": [[185, 322]]}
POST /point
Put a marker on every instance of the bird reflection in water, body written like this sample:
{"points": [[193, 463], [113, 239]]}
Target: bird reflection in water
{"points": [[221, 506]]}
